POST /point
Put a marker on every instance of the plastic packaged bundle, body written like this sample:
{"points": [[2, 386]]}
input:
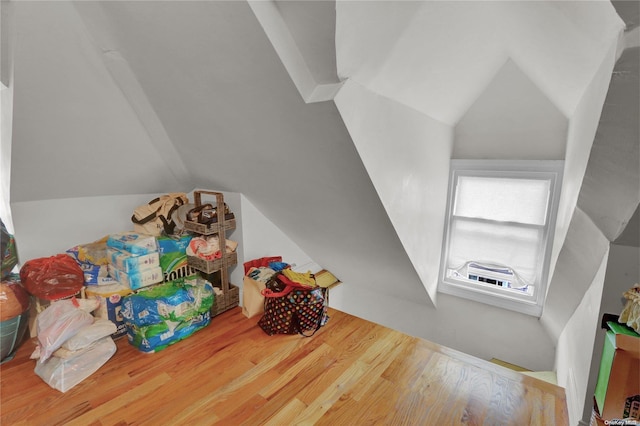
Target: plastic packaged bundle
{"points": [[137, 280], [130, 263], [92, 259], [156, 337], [133, 242], [176, 301], [109, 298], [167, 313]]}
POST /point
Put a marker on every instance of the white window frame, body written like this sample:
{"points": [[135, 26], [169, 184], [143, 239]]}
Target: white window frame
{"points": [[550, 170]]}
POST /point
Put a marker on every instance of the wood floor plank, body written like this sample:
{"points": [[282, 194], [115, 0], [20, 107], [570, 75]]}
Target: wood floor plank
{"points": [[374, 409], [287, 414], [120, 402], [467, 405], [385, 356], [326, 399], [477, 392], [302, 366], [351, 372]]}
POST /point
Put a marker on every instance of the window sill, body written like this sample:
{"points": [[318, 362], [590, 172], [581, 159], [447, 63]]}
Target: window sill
{"points": [[495, 298]]}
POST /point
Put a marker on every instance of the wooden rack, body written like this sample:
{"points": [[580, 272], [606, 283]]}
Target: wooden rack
{"points": [[230, 294]]}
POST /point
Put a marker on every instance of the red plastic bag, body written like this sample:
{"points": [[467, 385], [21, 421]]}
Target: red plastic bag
{"points": [[52, 278], [263, 261]]}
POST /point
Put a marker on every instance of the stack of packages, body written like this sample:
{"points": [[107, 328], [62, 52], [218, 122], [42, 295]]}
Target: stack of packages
{"points": [[115, 267], [148, 297], [162, 315], [134, 259], [99, 284], [132, 262], [72, 344]]}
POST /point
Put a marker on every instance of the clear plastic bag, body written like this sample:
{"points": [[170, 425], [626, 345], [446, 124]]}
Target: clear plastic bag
{"points": [[89, 334], [63, 374], [61, 320]]}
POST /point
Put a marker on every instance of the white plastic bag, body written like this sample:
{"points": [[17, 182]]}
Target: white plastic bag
{"points": [[89, 334], [57, 323], [63, 374]]}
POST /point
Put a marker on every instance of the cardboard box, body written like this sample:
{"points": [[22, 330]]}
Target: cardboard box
{"points": [[617, 393], [173, 257], [110, 297]]}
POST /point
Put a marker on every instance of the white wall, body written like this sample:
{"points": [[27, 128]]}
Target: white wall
{"points": [[45, 228], [48, 227], [577, 266], [411, 175], [406, 154], [582, 130], [6, 114], [511, 119], [262, 238], [573, 362], [6, 110]]}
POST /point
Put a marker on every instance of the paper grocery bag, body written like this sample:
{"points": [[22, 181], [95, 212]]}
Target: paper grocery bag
{"points": [[252, 298]]}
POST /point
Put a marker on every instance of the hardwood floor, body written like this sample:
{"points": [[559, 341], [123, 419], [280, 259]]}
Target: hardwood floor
{"points": [[352, 372]]}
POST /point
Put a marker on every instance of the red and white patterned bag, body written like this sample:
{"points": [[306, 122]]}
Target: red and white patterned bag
{"points": [[290, 308]]}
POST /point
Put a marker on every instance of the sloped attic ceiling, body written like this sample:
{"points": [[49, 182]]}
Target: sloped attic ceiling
{"points": [[212, 97], [438, 56]]}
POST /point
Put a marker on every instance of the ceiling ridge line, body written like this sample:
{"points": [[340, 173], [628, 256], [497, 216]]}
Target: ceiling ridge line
{"points": [[272, 22]]}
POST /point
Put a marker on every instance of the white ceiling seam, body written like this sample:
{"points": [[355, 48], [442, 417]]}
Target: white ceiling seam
{"points": [[68, 111], [312, 24], [269, 17], [610, 192], [128, 84]]}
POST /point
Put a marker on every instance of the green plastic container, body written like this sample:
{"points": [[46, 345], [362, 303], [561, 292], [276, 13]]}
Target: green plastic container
{"points": [[11, 334]]}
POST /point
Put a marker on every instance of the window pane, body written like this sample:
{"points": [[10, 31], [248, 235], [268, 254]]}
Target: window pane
{"points": [[509, 245], [502, 199]]}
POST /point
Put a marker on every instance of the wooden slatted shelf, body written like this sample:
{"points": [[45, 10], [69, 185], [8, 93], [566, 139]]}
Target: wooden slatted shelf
{"points": [[230, 294]]}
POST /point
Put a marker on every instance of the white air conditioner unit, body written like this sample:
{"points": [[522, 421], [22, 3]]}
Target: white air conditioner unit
{"points": [[497, 275]]}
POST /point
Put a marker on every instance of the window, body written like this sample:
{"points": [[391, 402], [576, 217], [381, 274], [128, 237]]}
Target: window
{"points": [[499, 230]]}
